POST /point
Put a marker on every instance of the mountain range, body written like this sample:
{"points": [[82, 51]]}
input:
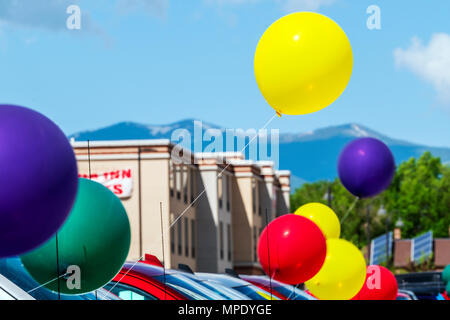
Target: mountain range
{"points": [[310, 156]]}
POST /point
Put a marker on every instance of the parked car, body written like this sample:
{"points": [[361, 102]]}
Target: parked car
{"points": [[14, 272], [237, 284], [145, 281], [10, 291], [281, 290], [405, 295], [425, 285], [225, 292]]}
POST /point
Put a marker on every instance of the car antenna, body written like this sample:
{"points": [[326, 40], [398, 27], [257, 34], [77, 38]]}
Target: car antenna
{"points": [[268, 254], [163, 258], [90, 178], [57, 267], [185, 268]]}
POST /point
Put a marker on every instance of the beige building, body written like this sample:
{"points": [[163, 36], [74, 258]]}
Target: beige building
{"points": [[213, 205]]}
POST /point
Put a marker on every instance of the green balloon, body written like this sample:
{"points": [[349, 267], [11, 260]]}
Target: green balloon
{"points": [[447, 288], [93, 244], [446, 274]]}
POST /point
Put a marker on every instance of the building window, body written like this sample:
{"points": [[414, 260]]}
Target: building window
{"points": [[229, 242], [185, 184], [186, 237], [193, 238], [255, 240], [171, 178], [178, 181], [260, 198], [221, 239], [254, 195], [220, 190], [192, 185], [172, 240], [180, 238], [228, 186]]}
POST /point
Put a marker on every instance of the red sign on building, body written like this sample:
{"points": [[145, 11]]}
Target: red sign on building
{"points": [[118, 181]]}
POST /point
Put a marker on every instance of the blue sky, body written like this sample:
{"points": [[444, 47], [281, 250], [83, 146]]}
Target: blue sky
{"points": [[160, 61]]}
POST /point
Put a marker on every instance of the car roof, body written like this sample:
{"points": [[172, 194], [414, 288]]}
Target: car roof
{"points": [[262, 280], [144, 269], [224, 279], [13, 269], [151, 271], [408, 292], [13, 290], [215, 283]]}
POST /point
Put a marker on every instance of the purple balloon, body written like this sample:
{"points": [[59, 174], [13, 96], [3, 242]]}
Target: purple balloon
{"points": [[366, 167], [38, 179]]}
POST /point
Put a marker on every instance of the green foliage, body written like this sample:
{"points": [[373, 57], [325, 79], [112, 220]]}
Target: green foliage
{"points": [[419, 195], [425, 263]]}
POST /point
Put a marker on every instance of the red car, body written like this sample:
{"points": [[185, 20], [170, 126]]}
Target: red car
{"points": [[147, 280]]}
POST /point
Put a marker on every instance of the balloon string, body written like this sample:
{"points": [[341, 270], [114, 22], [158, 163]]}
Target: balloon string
{"points": [[268, 254], [89, 158], [162, 242], [48, 282], [349, 209], [293, 291], [90, 178], [57, 266]]}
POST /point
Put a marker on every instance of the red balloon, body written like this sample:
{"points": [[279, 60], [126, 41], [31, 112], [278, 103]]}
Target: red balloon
{"points": [[296, 247], [380, 285]]}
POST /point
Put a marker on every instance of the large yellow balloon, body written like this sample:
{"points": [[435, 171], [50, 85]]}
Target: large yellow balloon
{"points": [[323, 216], [303, 63], [343, 273]]}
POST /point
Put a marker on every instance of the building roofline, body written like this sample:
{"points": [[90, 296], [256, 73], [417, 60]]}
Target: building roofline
{"points": [[243, 163], [232, 158], [220, 155], [265, 163], [280, 173], [121, 143]]}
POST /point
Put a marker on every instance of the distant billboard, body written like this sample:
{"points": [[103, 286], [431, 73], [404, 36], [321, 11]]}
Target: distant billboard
{"points": [[118, 181], [378, 248], [422, 247]]}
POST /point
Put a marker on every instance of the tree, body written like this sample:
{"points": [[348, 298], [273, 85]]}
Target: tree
{"points": [[419, 194]]}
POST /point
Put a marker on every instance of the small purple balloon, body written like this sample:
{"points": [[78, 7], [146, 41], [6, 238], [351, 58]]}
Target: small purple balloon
{"points": [[366, 167], [39, 179]]}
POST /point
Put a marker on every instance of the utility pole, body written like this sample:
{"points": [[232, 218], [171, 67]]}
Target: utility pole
{"points": [[368, 232], [329, 195], [387, 239]]}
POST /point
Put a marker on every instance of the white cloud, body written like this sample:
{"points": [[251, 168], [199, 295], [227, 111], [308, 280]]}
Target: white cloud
{"points": [[430, 62], [157, 8], [304, 5], [233, 2], [286, 5], [50, 16]]}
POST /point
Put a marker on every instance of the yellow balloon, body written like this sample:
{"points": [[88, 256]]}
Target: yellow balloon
{"points": [[303, 63], [343, 273], [323, 216]]}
